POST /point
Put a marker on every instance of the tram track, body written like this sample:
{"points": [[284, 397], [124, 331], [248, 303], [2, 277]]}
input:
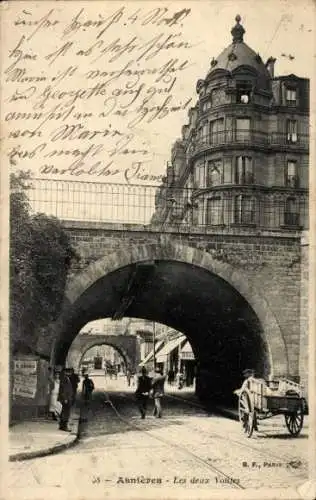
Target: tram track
{"points": [[174, 445], [252, 452], [267, 456]]}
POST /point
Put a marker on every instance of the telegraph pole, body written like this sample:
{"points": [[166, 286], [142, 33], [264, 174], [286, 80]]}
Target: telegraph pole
{"points": [[154, 344]]}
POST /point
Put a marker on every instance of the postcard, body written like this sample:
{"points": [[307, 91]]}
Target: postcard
{"points": [[158, 335]]}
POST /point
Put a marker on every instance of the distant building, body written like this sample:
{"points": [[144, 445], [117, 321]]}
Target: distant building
{"points": [[242, 160]]}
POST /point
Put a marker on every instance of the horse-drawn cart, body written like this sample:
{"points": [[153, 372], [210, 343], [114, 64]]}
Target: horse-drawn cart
{"points": [[260, 399]]}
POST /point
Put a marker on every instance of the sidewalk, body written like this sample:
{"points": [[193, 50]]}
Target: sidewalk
{"points": [[38, 438]]}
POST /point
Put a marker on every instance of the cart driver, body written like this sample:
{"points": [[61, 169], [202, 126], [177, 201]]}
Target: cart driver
{"points": [[249, 373]]}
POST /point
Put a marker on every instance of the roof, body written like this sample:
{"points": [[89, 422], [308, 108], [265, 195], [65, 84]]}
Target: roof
{"points": [[238, 54], [187, 348]]}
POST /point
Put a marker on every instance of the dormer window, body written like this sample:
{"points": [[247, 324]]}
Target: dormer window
{"points": [[243, 92], [291, 97]]}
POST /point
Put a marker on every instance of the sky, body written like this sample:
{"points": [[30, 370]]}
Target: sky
{"points": [[275, 28]]}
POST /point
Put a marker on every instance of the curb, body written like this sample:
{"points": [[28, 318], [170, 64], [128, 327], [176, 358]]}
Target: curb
{"points": [[18, 457], [52, 450]]}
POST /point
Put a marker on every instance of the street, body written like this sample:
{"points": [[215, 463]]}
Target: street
{"points": [[188, 451]]}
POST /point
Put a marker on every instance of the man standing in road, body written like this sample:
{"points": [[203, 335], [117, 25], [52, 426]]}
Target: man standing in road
{"points": [[65, 397], [87, 388], [158, 383], [142, 391], [74, 379]]}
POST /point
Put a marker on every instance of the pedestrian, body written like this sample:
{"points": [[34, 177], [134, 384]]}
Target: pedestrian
{"points": [[74, 379], [179, 378], [142, 391], [248, 374], [158, 383], [55, 406], [87, 388], [65, 397], [128, 377]]}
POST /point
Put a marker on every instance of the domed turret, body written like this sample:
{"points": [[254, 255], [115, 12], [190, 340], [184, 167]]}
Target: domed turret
{"points": [[238, 56]]}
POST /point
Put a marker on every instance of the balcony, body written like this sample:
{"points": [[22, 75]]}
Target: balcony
{"points": [[251, 138], [291, 219]]}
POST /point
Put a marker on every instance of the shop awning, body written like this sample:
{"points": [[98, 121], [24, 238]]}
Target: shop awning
{"points": [[168, 348], [150, 355], [186, 352]]}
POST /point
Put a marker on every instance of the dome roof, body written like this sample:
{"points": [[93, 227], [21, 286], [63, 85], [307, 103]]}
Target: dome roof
{"points": [[237, 54]]}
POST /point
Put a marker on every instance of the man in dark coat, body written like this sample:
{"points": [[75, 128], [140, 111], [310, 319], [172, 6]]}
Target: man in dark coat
{"points": [[158, 383], [65, 397], [74, 379], [87, 388], [142, 391]]}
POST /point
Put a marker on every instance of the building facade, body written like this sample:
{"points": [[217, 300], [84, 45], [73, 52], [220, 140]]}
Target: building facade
{"points": [[242, 160]]}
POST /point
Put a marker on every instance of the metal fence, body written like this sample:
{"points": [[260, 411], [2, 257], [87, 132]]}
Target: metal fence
{"points": [[93, 201], [244, 205]]}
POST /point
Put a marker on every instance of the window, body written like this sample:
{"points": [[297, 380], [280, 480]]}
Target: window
{"points": [[244, 170], [214, 211], [199, 180], [291, 131], [291, 97], [243, 91], [203, 136], [291, 177], [291, 215], [214, 172], [242, 129], [217, 131], [244, 209], [206, 105]]}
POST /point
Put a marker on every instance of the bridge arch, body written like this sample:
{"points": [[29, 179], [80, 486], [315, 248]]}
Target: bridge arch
{"points": [[165, 250], [83, 343]]}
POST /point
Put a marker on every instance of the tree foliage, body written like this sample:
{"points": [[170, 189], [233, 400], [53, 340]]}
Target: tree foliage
{"points": [[40, 257]]}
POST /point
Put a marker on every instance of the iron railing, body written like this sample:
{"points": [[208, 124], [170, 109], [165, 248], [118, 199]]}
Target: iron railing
{"points": [[250, 138], [220, 206]]}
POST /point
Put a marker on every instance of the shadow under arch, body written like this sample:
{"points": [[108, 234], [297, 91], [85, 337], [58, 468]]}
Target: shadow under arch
{"points": [[165, 250]]}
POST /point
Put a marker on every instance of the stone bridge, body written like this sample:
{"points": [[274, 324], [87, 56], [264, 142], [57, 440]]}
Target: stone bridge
{"points": [[239, 297], [126, 345]]}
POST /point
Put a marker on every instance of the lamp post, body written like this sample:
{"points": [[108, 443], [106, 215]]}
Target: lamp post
{"points": [[154, 344]]}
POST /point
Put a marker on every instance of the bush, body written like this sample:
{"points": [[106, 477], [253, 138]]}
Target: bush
{"points": [[40, 257]]}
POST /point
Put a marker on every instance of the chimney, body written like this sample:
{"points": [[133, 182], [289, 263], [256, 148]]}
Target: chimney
{"points": [[270, 66]]}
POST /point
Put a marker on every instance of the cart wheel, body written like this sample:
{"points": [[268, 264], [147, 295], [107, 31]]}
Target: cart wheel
{"points": [[246, 413], [294, 421]]}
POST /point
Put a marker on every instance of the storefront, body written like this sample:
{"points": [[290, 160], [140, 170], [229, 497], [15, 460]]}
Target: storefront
{"points": [[187, 364]]}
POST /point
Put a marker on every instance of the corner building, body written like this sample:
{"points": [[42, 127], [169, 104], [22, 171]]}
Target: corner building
{"points": [[237, 184], [242, 160]]}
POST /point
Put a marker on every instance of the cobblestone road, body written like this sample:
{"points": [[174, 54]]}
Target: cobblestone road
{"points": [[187, 453]]}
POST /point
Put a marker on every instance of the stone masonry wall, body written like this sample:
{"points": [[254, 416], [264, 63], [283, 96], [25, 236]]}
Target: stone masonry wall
{"points": [[271, 264], [304, 313]]}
